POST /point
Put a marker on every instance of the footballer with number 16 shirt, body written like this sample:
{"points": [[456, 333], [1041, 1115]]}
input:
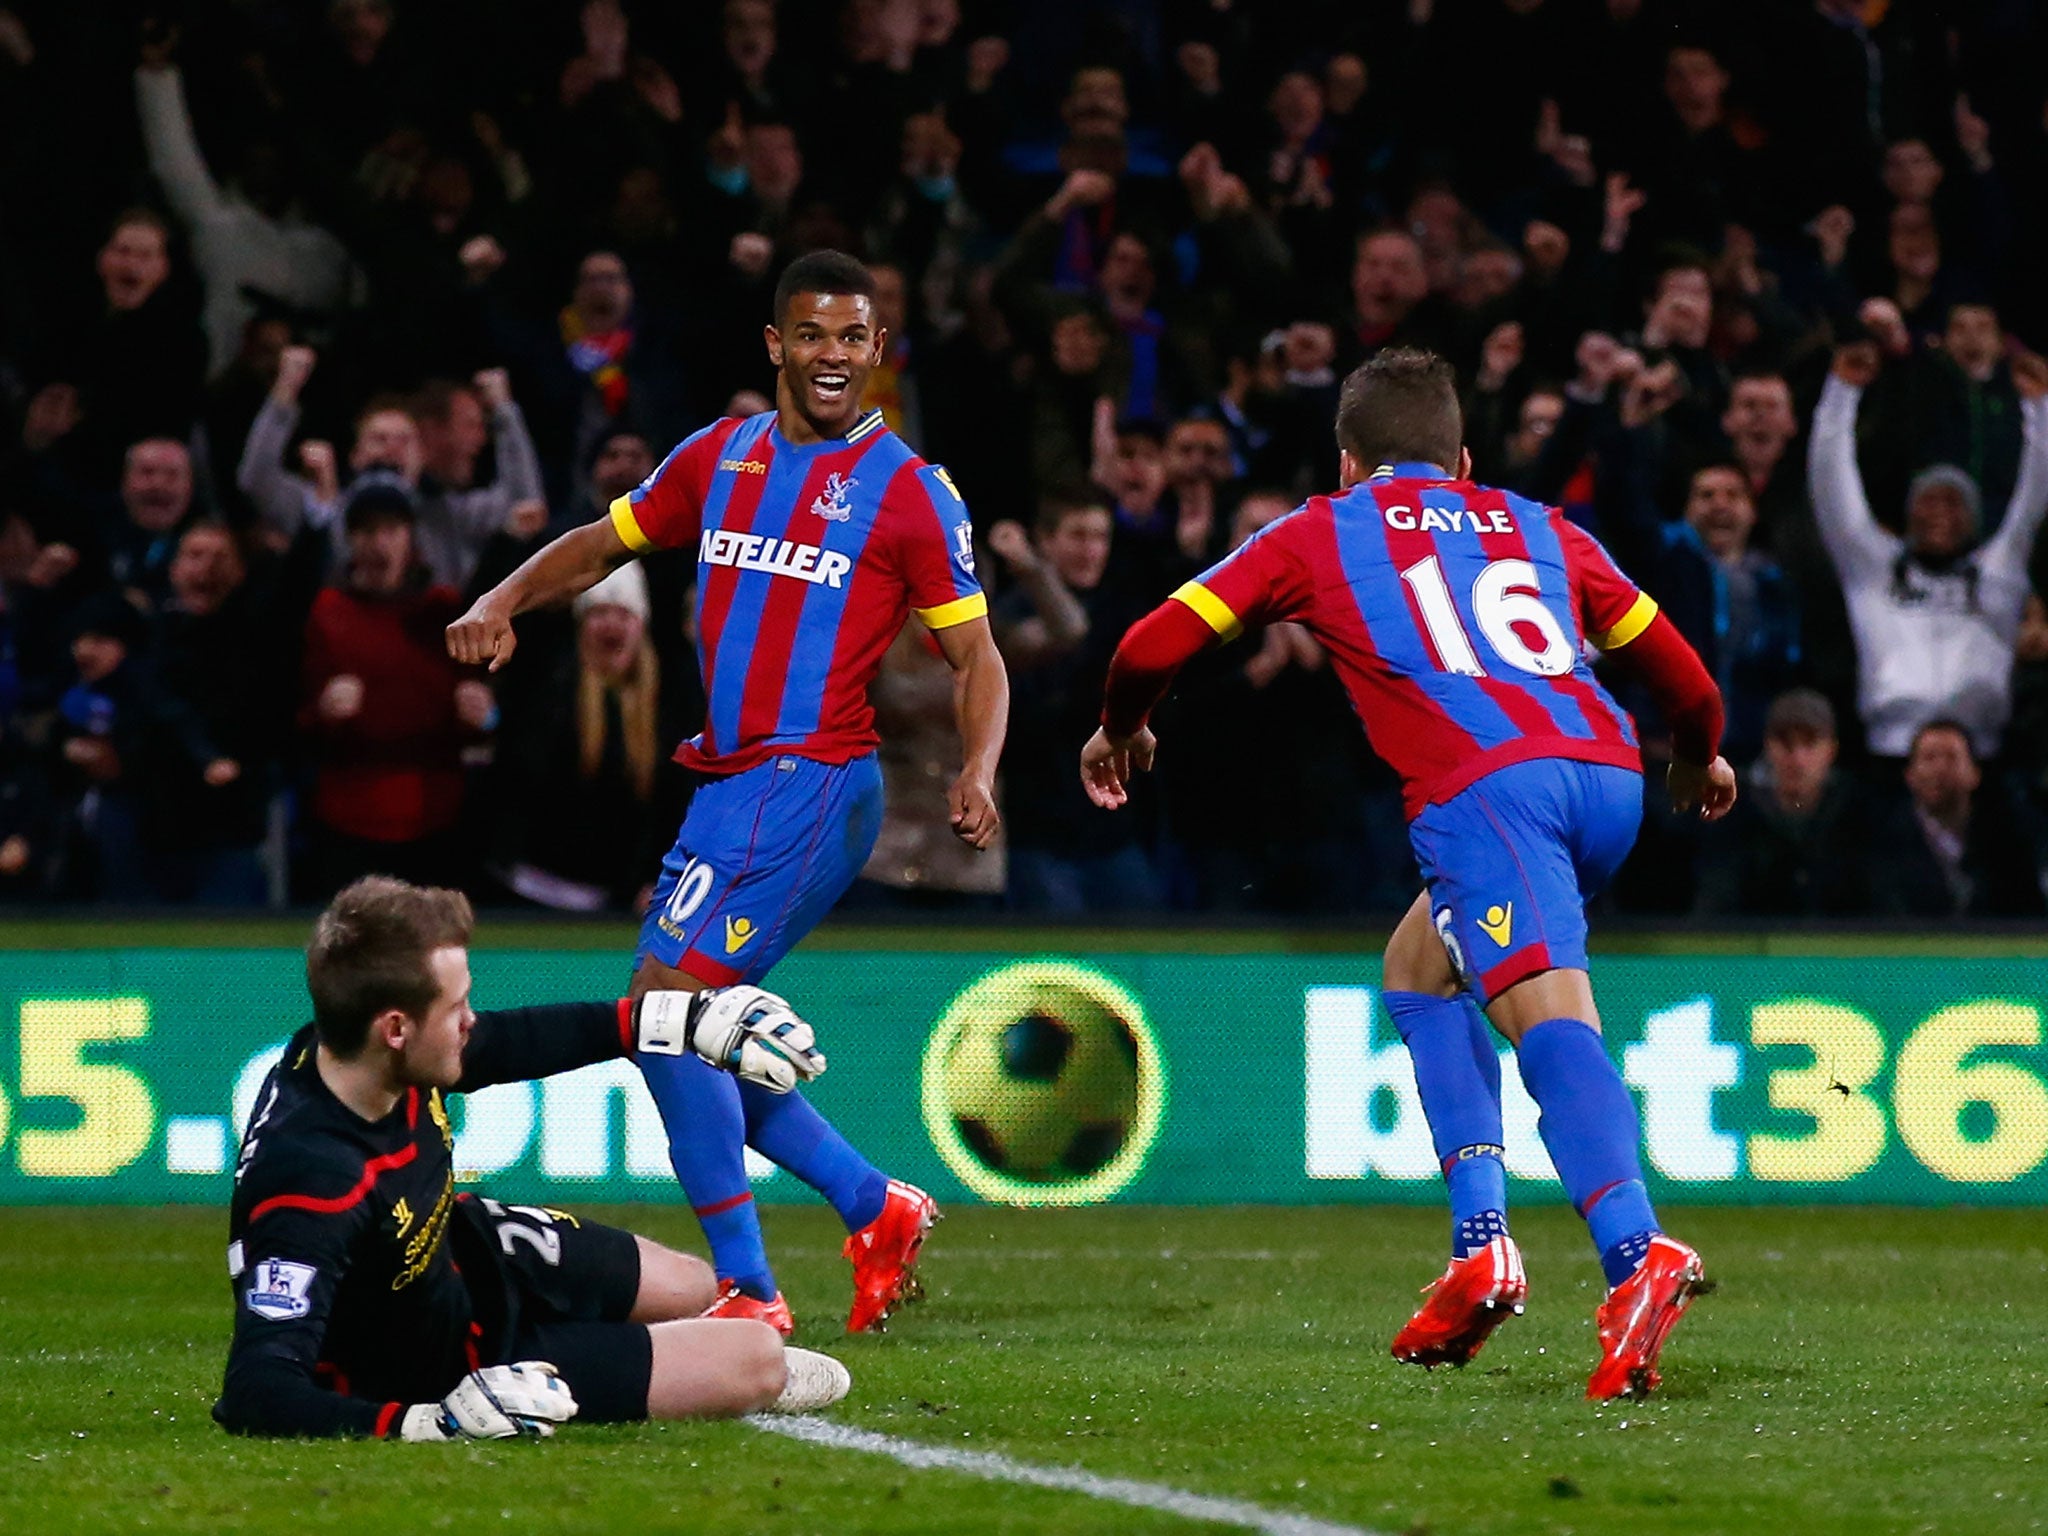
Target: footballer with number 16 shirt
{"points": [[1456, 614], [817, 533]]}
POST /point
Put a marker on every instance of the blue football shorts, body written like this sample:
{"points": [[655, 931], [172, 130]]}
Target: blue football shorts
{"points": [[1512, 860], [761, 858]]}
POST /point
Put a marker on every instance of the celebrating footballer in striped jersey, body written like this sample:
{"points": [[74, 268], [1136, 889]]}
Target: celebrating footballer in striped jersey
{"points": [[817, 533], [1457, 618]]}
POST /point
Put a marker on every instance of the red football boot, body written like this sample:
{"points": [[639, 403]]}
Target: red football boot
{"points": [[734, 1302], [884, 1254], [1639, 1313], [1472, 1298]]}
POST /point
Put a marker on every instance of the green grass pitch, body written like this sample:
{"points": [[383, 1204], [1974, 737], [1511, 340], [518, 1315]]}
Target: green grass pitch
{"points": [[1858, 1371]]}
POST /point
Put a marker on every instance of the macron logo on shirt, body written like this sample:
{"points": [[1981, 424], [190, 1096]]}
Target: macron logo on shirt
{"points": [[776, 557]]}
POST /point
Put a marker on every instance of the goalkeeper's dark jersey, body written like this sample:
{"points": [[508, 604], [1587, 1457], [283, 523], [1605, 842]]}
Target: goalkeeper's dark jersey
{"points": [[353, 1264]]}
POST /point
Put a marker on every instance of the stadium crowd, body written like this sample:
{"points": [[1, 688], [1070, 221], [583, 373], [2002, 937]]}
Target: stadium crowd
{"points": [[314, 319]]}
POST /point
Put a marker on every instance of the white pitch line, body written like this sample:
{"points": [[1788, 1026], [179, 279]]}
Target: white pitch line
{"points": [[1001, 1469]]}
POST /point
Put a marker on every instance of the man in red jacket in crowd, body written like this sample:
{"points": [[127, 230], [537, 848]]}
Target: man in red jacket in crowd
{"points": [[389, 712]]}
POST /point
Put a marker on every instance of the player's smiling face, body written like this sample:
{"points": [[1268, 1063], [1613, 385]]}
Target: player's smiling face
{"points": [[824, 350]]}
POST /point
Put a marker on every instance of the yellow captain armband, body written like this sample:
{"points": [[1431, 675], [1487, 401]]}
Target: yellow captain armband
{"points": [[1209, 608], [627, 527], [961, 610], [1632, 624]]}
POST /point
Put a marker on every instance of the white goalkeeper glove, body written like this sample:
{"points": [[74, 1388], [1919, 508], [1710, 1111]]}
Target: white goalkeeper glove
{"points": [[743, 1030], [495, 1403]]}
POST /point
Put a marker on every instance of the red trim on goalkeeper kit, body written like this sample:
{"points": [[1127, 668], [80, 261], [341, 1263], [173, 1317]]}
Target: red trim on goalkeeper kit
{"points": [[386, 1417], [372, 1170], [626, 1040], [719, 1208]]}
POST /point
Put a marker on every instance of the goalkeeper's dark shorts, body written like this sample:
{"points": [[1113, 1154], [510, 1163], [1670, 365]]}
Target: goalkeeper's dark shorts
{"points": [[552, 1286]]}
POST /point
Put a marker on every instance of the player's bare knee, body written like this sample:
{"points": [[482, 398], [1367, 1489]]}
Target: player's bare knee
{"points": [[672, 1285], [762, 1372]]}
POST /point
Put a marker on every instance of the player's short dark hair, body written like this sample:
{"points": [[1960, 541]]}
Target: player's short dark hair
{"points": [[1401, 406], [369, 955], [822, 272]]}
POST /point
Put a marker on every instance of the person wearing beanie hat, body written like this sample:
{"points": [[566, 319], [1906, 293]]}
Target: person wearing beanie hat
{"points": [[589, 746], [1936, 613], [625, 588]]}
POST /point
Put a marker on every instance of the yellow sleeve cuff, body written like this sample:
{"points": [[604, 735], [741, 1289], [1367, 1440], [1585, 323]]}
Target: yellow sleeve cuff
{"points": [[1210, 608], [627, 526], [1632, 624], [959, 611]]}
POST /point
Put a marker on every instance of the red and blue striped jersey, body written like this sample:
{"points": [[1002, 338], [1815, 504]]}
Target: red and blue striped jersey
{"points": [[809, 561], [1457, 617]]}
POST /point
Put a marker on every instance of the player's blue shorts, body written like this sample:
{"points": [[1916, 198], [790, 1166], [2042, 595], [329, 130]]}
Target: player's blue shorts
{"points": [[1512, 861], [762, 856]]}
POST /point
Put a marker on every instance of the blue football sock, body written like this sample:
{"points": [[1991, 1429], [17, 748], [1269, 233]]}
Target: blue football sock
{"points": [[788, 1131], [1589, 1124], [707, 1138], [1458, 1077]]}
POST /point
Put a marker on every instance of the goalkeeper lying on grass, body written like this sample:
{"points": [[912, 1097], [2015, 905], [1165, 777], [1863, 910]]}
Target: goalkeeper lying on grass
{"points": [[371, 1299]]}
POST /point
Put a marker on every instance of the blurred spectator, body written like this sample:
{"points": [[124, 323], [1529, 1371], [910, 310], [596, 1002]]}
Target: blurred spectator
{"points": [[133, 369], [457, 516], [385, 712], [1266, 793], [250, 240], [224, 646], [1729, 599], [124, 740], [1801, 839], [1935, 613], [156, 496], [588, 797], [386, 439], [918, 864], [1956, 849], [1065, 856]]}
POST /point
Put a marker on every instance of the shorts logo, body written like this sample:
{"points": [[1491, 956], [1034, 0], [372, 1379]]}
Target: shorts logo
{"points": [[1499, 924], [738, 930], [280, 1290], [832, 504]]}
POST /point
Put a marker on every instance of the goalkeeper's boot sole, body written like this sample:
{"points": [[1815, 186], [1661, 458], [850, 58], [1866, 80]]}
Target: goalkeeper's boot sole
{"points": [[734, 1302], [1639, 1315], [1466, 1303], [815, 1381], [884, 1254]]}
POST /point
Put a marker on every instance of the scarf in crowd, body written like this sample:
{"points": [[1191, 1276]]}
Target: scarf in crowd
{"points": [[599, 356]]}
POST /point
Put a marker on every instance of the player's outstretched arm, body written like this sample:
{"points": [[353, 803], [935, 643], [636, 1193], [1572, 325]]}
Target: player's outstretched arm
{"points": [[982, 705], [578, 560], [1147, 660]]}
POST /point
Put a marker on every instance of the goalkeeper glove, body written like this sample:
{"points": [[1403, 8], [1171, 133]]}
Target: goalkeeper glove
{"points": [[743, 1030], [495, 1403]]}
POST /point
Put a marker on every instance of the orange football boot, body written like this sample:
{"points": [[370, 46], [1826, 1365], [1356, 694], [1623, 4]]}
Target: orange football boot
{"points": [[884, 1254], [734, 1302], [1472, 1298], [1637, 1316]]}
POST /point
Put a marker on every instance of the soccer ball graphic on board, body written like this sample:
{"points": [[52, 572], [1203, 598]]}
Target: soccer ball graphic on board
{"points": [[1043, 1085]]}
